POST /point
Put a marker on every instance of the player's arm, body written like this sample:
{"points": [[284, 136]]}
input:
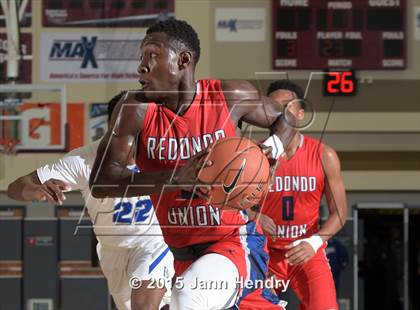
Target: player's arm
{"points": [[335, 194], [247, 104], [30, 188], [48, 182], [302, 250], [110, 176], [267, 224]]}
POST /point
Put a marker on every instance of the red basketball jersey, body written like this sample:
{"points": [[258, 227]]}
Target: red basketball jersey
{"points": [[168, 140], [294, 198]]}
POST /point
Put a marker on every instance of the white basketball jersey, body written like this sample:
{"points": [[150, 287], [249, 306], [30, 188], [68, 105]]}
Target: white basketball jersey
{"points": [[117, 222]]}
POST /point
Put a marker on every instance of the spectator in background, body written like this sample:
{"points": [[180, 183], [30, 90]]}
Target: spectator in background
{"points": [[338, 257]]}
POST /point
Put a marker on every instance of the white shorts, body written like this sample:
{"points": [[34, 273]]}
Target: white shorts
{"points": [[148, 261], [209, 283]]}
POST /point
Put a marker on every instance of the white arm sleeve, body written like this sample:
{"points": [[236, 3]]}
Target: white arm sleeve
{"points": [[71, 169]]}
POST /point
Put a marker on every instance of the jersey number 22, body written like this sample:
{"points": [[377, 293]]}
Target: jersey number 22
{"points": [[124, 211]]}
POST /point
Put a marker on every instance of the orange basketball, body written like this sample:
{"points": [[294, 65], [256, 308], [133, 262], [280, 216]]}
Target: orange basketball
{"points": [[239, 174]]}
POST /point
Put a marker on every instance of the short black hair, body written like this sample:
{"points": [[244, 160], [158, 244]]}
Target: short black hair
{"points": [[113, 102], [180, 31], [288, 85]]}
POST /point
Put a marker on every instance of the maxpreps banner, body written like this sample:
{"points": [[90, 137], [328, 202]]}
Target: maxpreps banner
{"points": [[78, 57]]}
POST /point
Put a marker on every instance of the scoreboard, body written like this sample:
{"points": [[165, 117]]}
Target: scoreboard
{"points": [[322, 34]]}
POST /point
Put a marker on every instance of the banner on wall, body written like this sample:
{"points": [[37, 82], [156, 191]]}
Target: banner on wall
{"points": [[78, 57], [417, 23], [42, 125], [25, 66], [105, 13], [240, 24], [98, 120]]}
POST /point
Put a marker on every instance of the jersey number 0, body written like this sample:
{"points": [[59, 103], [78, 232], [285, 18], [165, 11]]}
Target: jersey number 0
{"points": [[288, 207]]}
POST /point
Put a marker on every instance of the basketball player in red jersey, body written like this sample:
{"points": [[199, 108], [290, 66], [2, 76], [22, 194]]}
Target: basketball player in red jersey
{"points": [[219, 257], [307, 169]]}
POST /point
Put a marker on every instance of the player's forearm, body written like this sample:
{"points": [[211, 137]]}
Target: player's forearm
{"points": [[262, 112], [112, 183], [285, 128], [17, 190], [333, 224]]}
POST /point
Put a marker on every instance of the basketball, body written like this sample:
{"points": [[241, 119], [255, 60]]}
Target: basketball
{"points": [[239, 174]]}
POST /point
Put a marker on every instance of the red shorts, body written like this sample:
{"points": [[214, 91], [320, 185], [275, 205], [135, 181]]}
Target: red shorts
{"points": [[312, 282], [247, 249]]}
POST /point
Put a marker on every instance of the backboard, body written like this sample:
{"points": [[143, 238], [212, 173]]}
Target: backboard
{"points": [[34, 117]]}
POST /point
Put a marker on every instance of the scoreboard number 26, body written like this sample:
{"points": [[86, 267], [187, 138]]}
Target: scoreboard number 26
{"points": [[340, 83]]}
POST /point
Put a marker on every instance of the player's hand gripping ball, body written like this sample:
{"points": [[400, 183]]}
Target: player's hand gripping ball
{"points": [[239, 175]]}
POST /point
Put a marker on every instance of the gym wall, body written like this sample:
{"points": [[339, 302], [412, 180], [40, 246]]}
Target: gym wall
{"points": [[377, 132]]}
